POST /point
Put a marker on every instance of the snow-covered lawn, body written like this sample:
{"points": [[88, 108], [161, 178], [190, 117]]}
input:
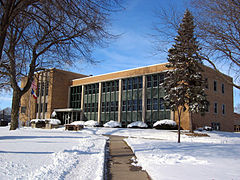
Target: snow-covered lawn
{"points": [[57, 154], [50, 154]]}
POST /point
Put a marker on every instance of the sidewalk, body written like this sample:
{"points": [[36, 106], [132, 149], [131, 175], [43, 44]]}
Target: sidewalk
{"points": [[120, 167]]}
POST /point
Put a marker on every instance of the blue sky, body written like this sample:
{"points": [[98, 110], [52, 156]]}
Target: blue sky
{"points": [[134, 47]]}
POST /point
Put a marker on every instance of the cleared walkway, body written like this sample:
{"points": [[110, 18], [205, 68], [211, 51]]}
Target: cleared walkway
{"points": [[120, 167]]}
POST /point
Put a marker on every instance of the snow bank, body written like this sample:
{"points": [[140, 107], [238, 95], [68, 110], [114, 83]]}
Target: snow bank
{"points": [[91, 123], [78, 123], [48, 121], [137, 124], [112, 124], [165, 121]]}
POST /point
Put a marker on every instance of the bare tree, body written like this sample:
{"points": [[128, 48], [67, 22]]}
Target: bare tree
{"points": [[217, 29], [49, 33]]}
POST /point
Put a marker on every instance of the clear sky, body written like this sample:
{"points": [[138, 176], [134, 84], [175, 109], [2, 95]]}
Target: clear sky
{"points": [[134, 47]]}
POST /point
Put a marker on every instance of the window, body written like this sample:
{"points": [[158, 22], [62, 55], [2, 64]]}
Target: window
{"points": [[139, 82], [140, 105], [155, 104], [215, 85], [215, 108], [129, 105], [41, 107], [155, 80], [149, 81], [161, 78], [148, 104], [206, 83], [223, 88], [42, 89], [134, 105], [124, 84], [215, 126], [130, 83], [207, 108], [223, 109], [124, 106], [103, 106], [23, 109], [37, 108], [161, 103], [45, 108], [46, 90]]}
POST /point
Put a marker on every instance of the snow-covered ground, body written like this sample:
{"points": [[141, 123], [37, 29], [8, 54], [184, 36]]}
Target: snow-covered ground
{"points": [[58, 154], [50, 154]]}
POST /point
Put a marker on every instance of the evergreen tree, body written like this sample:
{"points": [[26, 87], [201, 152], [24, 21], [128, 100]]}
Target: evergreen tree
{"points": [[184, 82]]}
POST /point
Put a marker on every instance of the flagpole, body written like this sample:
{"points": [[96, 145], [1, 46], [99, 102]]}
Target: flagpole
{"points": [[29, 106]]}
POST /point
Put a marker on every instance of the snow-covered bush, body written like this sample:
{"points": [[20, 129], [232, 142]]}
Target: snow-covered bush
{"points": [[112, 124], [78, 123], [46, 121], [91, 123], [137, 124], [165, 124]]}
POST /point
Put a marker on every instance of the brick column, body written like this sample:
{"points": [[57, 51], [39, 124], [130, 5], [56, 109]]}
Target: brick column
{"points": [[144, 99], [99, 102], [120, 101]]}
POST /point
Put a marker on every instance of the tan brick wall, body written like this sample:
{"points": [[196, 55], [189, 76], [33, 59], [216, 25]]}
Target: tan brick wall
{"points": [[59, 83], [226, 121]]}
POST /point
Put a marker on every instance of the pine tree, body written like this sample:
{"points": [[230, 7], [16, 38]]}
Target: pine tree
{"points": [[184, 82]]}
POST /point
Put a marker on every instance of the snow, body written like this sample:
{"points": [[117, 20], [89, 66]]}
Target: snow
{"points": [[78, 123], [57, 154], [50, 154], [165, 121], [137, 124], [49, 121], [91, 123], [112, 124]]}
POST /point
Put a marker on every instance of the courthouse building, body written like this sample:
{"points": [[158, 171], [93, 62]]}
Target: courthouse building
{"points": [[124, 96]]}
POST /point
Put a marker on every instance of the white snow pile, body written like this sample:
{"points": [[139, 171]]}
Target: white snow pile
{"points": [[139, 124], [54, 114], [91, 123], [165, 121], [78, 123], [47, 121], [112, 124]]}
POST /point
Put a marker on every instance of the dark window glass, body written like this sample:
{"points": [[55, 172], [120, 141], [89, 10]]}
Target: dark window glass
{"points": [[148, 104], [215, 107], [103, 106], [215, 85], [129, 105], [42, 89], [41, 108], [155, 80], [124, 106], [134, 105], [223, 109], [46, 90], [45, 107], [155, 104], [223, 89], [161, 103], [206, 83], [140, 105], [139, 82], [37, 108], [23, 109], [124, 84], [130, 83], [161, 78], [135, 83], [149, 81], [104, 87]]}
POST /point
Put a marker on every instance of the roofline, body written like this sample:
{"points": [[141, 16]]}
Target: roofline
{"points": [[119, 71]]}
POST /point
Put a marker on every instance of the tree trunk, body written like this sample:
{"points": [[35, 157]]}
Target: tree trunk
{"points": [[15, 109], [190, 122], [179, 125]]}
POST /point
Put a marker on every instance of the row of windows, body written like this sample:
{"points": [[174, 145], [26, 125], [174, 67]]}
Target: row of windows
{"points": [[110, 86], [155, 80], [132, 105], [154, 104], [110, 106], [42, 89], [216, 108], [215, 86], [91, 89], [132, 83], [91, 107], [41, 107]]}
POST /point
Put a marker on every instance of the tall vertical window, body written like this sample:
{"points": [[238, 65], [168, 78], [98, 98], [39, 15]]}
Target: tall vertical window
{"points": [[223, 89], [155, 103], [148, 104], [215, 108], [206, 83], [215, 85], [45, 108], [46, 90], [37, 108], [41, 107], [223, 109]]}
